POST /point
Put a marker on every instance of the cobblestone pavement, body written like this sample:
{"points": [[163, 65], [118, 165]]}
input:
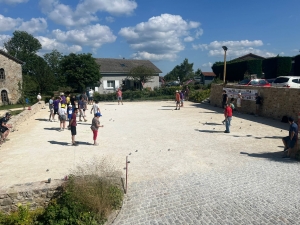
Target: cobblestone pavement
{"points": [[186, 170]]}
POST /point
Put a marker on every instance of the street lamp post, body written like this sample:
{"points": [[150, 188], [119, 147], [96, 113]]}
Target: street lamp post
{"points": [[224, 73]]}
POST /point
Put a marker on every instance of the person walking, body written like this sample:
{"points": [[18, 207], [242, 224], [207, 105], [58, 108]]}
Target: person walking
{"points": [[55, 107], [62, 117], [177, 100], [91, 96], [95, 126], [258, 103], [228, 117], [81, 105], [73, 102], [51, 108], [39, 97], [119, 96], [290, 141], [73, 126]]}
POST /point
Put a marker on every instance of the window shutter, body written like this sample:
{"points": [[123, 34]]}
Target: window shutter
{"points": [[105, 84], [117, 84]]}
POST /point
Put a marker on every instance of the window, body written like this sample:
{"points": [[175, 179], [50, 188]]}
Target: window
{"points": [[295, 81], [281, 80], [110, 84], [2, 74], [4, 96]]}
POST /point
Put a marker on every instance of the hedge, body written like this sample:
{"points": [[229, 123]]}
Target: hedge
{"points": [[276, 66], [297, 65]]}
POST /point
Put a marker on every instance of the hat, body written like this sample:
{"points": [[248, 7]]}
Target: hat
{"points": [[239, 93], [7, 114], [176, 90], [62, 93], [291, 119], [98, 114], [70, 105]]}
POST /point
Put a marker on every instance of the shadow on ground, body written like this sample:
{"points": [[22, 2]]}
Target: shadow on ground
{"points": [[42, 120], [52, 128], [273, 156], [262, 120], [67, 143]]}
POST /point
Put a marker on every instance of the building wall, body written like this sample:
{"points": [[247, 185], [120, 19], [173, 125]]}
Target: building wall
{"points": [[13, 75], [208, 80], [119, 80], [277, 102]]}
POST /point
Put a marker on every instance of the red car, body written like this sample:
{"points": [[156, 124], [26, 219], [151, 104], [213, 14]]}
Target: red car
{"points": [[255, 82]]}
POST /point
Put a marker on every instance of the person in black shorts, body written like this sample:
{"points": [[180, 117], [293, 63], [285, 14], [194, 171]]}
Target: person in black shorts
{"points": [[73, 125], [4, 127]]}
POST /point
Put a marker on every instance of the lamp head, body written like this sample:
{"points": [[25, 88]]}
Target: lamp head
{"points": [[225, 48]]}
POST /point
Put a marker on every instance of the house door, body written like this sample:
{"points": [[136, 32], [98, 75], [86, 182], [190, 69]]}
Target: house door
{"points": [[4, 96]]}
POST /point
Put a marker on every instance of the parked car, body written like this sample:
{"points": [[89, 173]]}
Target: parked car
{"points": [[271, 80], [173, 83], [287, 81], [255, 82]]}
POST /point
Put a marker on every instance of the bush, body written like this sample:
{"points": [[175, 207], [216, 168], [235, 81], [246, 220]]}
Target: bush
{"points": [[199, 96], [276, 66]]}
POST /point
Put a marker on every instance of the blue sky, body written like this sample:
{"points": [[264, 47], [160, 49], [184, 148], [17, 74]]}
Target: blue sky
{"points": [[162, 31]]}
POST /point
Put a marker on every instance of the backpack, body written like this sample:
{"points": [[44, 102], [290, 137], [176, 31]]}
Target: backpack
{"points": [[232, 106]]}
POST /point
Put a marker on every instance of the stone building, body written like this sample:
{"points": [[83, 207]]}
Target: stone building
{"points": [[10, 76]]}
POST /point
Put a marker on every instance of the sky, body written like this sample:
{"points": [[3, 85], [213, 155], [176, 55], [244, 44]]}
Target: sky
{"points": [[162, 31]]}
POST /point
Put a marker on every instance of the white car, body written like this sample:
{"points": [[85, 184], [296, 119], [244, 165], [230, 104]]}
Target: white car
{"points": [[287, 81]]}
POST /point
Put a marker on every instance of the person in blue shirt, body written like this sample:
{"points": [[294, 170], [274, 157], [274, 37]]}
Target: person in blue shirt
{"points": [[290, 141]]}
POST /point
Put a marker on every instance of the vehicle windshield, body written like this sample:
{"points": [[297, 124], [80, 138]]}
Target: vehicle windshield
{"points": [[281, 80], [254, 82], [246, 81]]}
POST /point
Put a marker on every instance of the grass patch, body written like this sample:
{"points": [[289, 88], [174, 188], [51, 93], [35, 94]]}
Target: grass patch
{"points": [[8, 107], [16, 112], [88, 198]]}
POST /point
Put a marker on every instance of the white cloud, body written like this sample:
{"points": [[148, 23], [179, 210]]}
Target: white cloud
{"points": [[160, 37], [199, 33], [209, 64], [49, 44], [85, 11], [34, 25], [110, 19], [12, 2], [93, 36], [188, 39], [8, 23], [235, 48], [3, 38]]}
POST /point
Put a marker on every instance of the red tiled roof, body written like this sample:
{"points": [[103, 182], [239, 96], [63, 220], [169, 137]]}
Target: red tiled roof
{"points": [[209, 74]]}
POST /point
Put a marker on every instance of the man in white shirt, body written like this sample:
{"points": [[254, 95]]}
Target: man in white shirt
{"points": [[91, 96], [39, 97], [95, 108], [62, 117]]}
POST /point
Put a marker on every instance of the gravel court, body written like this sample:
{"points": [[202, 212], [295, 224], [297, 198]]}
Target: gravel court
{"points": [[205, 172]]}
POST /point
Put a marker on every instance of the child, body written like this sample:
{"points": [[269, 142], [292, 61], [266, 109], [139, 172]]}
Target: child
{"points": [[232, 104]]}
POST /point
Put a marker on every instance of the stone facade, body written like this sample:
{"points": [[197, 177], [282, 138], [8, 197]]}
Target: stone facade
{"points": [[277, 102], [11, 71], [34, 195]]}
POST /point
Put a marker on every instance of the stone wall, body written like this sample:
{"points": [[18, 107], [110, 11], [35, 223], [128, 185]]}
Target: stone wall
{"points": [[34, 195], [277, 102], [26, 114], [13, 75]]}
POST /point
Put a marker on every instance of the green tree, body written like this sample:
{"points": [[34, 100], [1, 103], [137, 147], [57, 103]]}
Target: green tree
{"points": [[23, 46], [53, 59], [141, 74], [80, 70], [184, 71]]}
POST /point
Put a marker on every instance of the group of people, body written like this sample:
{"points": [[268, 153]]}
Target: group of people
{"points": [[4, 128], [180, 97], [69, 108]]}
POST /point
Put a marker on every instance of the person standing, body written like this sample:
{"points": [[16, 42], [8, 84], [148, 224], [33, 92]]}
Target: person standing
{"points": [[181, 97], [39, 97], [239, 103], [95, 108], [290, 141], [69, 112], [177, 100], [62, 117], [85, 99], [63, 100], [258, 103], [51, 108], [95, 126], [4, 127], [224, 99], [119, 96], [68, 99], [91, 96], [73, 100], [81, 105], [73, 126], [228, 117], [55, 107]]}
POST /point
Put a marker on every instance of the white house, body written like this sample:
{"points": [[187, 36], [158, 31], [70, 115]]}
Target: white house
{"points": [[115, 71]]}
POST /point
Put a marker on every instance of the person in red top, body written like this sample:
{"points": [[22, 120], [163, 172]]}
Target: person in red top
{"points": [[73, 125], [177, 100], [119, 96], [228, 117]]}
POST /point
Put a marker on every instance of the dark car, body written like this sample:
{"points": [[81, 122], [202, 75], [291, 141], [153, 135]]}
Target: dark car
{"points": [[173, 83]]}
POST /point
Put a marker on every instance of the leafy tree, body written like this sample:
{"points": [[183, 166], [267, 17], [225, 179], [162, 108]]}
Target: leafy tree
{"points": [[184, 71], [80, 70], [53, 60], [23, 46], [141, 74]]}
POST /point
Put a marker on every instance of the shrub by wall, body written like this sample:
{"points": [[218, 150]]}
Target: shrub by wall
{"points": [[276, 66], [297, 65]]}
